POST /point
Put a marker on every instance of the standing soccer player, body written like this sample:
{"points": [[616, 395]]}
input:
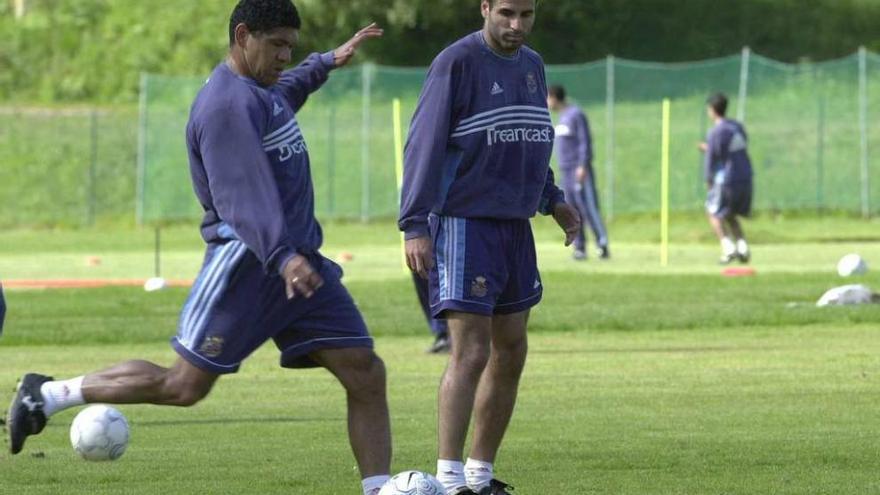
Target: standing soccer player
{"points": [[263, 277], [574, 152], [727, 170], [476, 169]]}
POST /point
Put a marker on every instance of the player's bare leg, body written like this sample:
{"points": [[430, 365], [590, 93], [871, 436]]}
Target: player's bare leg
{"points": [[362, 374], [736, 230], [134, 382], [728, 247], [142, 382], [471, 335], [717, 226], [496, 394]]}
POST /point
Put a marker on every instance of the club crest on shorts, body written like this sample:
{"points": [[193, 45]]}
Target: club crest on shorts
{"points": [[532, 82], [479, 287], [212, 346]]}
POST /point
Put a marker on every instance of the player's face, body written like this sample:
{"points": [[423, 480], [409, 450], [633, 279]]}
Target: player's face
{"points": [[552, 103], [268, 53], [508, 23]]}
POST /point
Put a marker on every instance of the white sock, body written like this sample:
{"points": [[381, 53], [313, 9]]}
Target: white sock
{"points": [[62, 394], [742, 247], [478, 474], [451, 474], [727, 246], [373, 484]]}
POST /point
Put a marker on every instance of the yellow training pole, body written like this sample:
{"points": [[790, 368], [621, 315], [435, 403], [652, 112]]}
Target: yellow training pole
{"points": [[664, 188], [398, 169]]}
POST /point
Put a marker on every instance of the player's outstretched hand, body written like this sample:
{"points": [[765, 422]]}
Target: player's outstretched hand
{"points": [[569, 219], [300, 278], [420, 255], [345, 53]]}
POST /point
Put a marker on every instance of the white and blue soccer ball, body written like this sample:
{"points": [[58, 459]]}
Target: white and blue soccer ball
{"points": [[412, 483], [851, 264], [99, 433]]}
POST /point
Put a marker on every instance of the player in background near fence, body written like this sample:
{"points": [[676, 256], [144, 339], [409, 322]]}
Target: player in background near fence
{"points": [[2, 309], [727, 170], [476, 169], [263, 276], [574, 153], [437, 326]]}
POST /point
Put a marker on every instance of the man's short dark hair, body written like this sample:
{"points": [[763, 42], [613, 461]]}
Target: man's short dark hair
{"points": [[718, 102], [263, 15], [557, 91], [492, 3]]}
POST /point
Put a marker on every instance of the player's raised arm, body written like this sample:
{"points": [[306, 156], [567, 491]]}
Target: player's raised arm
{"points": [[307, 77], [344, 54]]}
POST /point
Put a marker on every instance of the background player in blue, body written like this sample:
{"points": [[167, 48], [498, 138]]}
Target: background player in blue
{"points": [[476, 169], [2, 309], [263, 277], [574, 152], [437, 326], [727, 170]]}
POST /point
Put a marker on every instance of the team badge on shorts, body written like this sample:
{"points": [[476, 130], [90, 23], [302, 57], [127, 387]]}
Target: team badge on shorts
{"points": [[479, 287], [532, 82], [212, 347]]}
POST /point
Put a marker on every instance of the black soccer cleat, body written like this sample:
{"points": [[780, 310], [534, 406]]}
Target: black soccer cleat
{"points": [[604, 253], [25, 416], [463, 491], [744, 257], [442, 344], [727, 259], [496, 487]]}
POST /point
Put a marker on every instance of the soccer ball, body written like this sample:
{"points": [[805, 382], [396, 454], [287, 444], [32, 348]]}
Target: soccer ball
{"points": [[412, 483], [851, 264], [99, 433]]}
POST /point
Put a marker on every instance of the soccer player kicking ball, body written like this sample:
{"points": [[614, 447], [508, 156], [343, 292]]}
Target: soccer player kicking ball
{"points": [[263, 276], [728, 173], [476, 169]]}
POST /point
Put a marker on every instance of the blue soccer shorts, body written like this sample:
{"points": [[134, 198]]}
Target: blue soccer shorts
{"points": [[483, 266], [234, 307], [726, 199]]}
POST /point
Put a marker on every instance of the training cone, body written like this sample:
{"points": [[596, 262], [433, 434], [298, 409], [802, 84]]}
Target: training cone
{"points": [[738, 271]]}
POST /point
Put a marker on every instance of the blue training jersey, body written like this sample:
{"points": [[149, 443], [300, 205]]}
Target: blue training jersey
{"points": [[727, 153], [574, 147], [250, 164], [480, 141]]}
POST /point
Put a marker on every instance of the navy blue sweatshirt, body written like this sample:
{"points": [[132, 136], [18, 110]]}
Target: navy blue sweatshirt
{"points": [[480, 141], [250, 164]]}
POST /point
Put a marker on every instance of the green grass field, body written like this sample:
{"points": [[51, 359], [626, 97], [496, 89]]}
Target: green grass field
{"points": [[641, 380]]}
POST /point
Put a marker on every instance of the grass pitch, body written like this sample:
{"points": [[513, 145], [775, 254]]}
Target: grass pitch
{"points": [[639, 380]]}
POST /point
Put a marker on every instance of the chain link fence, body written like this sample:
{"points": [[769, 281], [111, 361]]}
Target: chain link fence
{"points": [[811, 128]]}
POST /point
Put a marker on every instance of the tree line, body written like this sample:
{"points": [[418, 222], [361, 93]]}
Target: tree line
{"points": [[94, 50]]}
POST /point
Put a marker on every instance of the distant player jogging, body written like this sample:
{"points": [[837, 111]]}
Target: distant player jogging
{"points": [[2, 309], [574, 152], [476, 169], [727, 170], [263, 276]]}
